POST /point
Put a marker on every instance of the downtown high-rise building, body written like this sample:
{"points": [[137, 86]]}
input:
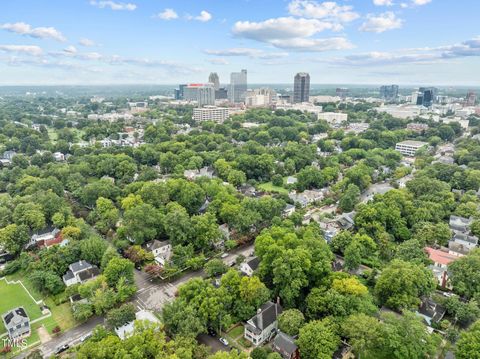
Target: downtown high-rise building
{"points": [[215, 80], [203, 94], [301, 87], [389, 92], [471, 98], [426, 96], [238, 86]]}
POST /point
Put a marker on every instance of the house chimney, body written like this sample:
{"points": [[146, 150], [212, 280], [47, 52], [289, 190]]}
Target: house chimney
{"points": [[260, 319]]}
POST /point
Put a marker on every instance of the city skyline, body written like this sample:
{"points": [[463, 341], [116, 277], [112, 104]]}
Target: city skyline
{"points": [[166, 42]]}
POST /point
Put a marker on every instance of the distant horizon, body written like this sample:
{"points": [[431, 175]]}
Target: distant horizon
{"points": [[150, 42]]}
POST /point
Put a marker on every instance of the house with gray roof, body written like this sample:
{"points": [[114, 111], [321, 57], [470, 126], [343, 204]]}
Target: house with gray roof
{"points": [[284, 345], [161, 250], [249, 266], [80, 272], [263, 325], [17, 323], [460, 224]]}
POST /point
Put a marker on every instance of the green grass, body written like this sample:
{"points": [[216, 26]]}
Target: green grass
{"points": [[13, 296], [23, 277], [236, 332], [269, 187], [61, 314]]}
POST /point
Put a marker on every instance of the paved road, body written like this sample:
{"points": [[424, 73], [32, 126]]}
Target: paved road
{"points": [[70, 337], [153, 296]]}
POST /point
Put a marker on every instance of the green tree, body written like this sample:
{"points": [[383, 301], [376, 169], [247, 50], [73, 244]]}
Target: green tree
{"points": [[118, 268], [318, 340], [120, 316], [464, 274], [290, 321], [349, 198], [215, 267], [401, 284], [13, 238], [468, 345]]}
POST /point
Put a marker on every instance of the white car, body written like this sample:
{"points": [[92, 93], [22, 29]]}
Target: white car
{"points": [[224, 255], [223, 341], [86, 337]]}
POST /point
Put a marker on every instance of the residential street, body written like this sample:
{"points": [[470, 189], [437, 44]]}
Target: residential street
{"points": [[150, 296]]}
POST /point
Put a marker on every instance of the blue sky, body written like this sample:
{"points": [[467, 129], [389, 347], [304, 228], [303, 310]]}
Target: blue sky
{"points": [[416, 42]]}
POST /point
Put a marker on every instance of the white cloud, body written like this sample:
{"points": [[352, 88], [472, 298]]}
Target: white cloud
{"points": [[469, 48], [383, 2], [381, 23], [22, 49], [292, 33], [421, 2], [37, 32], [329, 10], [204, 16], [70, 49], [314, 45], [246, 51], [113, 5], [167, 14], [219, 61], [281, 28], [86, 42]]}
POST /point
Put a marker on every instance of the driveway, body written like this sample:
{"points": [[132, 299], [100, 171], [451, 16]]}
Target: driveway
{"points": [[212, 342]]}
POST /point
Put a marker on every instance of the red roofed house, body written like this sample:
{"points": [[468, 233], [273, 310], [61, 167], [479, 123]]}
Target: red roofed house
{"points": [[441, 260]]}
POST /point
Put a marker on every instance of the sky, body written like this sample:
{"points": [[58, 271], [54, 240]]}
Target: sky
{"points": [[101, 42]]}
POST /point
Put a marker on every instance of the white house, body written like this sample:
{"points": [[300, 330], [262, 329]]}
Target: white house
{"points": [[249, 266], [262, 327], [80, 272], [126, 330], [161, 250]]}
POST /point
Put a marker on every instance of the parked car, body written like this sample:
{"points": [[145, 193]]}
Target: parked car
{"points": [[224, 255], [86, 337], [212, 332], [62, 348], [223, 341]]}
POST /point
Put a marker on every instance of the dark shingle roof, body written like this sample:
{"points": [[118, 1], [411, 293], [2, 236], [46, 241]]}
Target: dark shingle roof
{"points": [[15, 313], [79, 266], [254, 263], [285, 343], [266, 315]]}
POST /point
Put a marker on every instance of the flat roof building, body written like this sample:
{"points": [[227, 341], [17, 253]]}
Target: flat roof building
{"points": [[409, 148], [211, 113]]}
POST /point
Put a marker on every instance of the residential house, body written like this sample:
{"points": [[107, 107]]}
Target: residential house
{"points": [[292, 180], [59, 156], [306, 197], [460, 224], [288, 210], [263, 325], [225, 236], [4, 162], [285, 345], [161, 250], [247, 190], [430, 311], [202, 172], [80, 272], [467, 241], [8, 155], [441, 259], [127, 330], [17, 323], [346, 220], [249, 266], [46, 237]]}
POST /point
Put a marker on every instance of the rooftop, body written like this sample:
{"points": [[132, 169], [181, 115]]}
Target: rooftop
{"points": [[439, 256]]}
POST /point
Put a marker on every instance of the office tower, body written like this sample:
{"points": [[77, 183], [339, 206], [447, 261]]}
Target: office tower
{"points": [[471, 98], [215, 80], [179, 92], [203, 94], [238, 86], [221, 94], [342, 92], [427, 96], [301, 87], [389, 93]]}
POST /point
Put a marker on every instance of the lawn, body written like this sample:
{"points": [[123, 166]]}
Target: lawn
{"points": [[269, 187], [14, 295]]}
